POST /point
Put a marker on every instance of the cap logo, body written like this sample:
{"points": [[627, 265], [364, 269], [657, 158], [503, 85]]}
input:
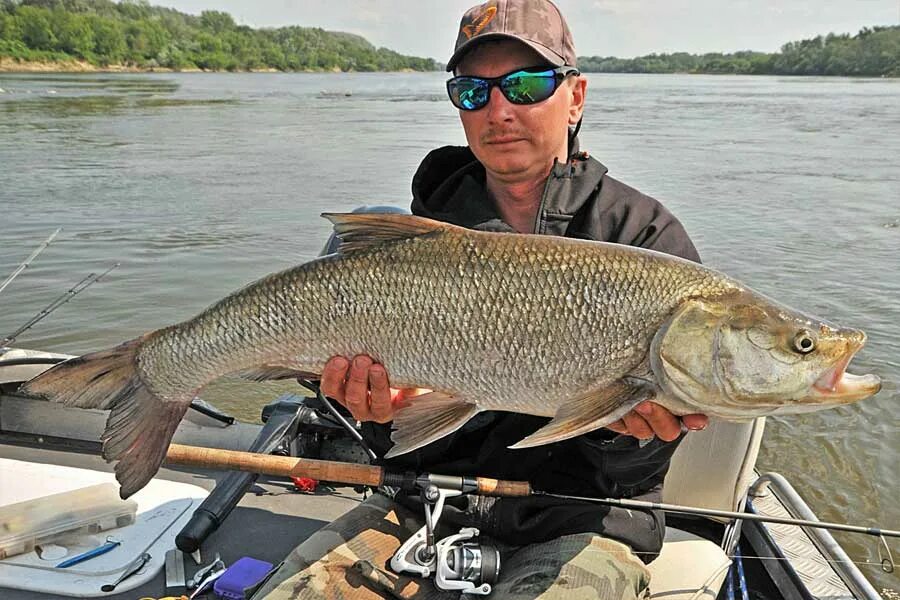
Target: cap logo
{"points": [[479, 22]]}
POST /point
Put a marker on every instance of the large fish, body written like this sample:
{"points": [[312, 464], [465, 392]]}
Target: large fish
{"points": [[575, 330]]}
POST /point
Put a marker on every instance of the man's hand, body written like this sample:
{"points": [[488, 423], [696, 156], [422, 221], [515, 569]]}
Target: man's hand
{"points": [[362, 386], [649, 419]]}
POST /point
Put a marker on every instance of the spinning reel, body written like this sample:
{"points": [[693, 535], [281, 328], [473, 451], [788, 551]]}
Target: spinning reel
{"points": [[458, 562]]}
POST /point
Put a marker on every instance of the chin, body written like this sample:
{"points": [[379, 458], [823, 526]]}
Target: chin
{"points": [[507, 169], [505, 165]]}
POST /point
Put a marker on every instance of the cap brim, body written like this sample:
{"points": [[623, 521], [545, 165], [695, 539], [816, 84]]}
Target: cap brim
{"points": [[549, 55]]}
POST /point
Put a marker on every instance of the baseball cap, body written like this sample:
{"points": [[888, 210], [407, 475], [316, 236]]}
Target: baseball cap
{"points": [[536, 23]]}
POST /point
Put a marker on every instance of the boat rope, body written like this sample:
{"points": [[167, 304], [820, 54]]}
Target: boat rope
{"points": [[887, 559]]}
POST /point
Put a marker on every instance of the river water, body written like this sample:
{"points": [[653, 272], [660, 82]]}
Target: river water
{"points": [[200, 183]]}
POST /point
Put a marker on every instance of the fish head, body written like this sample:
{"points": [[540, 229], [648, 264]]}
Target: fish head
{"points": [[742, 355]]}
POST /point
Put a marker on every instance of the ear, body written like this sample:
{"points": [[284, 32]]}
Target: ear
{"points": [[576, 99]]}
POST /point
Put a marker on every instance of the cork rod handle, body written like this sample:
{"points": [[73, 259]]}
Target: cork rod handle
{"points": [[324, 470], [285, 466]]}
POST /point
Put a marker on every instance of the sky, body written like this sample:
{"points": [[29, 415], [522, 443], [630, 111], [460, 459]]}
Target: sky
{"points": [[623, 28]]}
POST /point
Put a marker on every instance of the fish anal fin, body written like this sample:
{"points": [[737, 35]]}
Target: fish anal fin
{"points": [[426, 418], [589, 412], [363, 231]]}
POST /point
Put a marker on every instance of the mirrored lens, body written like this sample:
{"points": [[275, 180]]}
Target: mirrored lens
{"points": [[468, 93], [527, 88]]}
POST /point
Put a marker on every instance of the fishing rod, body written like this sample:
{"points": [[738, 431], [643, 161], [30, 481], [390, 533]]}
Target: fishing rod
{"points": [[375, 476], [458, 562], [73, 291], [28, 260]]}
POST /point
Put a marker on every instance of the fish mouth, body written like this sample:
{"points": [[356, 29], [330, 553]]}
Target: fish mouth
{"points": [[837, 385]]}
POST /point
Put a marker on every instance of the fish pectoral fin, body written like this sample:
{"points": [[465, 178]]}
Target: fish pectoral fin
{"points": [[590, 412], [270, 372], [427, 418], [362, 231]]}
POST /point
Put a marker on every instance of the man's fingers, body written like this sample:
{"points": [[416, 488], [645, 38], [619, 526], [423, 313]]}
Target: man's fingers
{"points": [[619, 427], [663, 424], [333, 377], [356, 394], [380, 403], [695, 422], [649, 419], [637, 426]]}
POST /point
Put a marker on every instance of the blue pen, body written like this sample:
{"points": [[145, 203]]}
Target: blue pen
{"points": [[109, 545]]}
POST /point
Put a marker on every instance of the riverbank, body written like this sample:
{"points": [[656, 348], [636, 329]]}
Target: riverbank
{"points": [[12, 65]]}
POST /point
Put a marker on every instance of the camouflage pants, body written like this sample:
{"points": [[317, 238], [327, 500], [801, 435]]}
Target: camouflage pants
{"points": [[348, 559]]}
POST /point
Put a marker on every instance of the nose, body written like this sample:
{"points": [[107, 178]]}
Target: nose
{"points": [[499, 108]]}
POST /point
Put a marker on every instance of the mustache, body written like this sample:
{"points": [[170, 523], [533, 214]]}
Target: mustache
{"points": [[492, 135]]}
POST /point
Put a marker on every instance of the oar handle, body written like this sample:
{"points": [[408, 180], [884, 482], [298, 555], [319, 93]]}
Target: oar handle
{"points": [[284, 466], [324, 470]]}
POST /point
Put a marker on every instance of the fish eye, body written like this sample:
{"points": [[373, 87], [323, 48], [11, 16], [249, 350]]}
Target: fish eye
{"points": [[804, 343]]}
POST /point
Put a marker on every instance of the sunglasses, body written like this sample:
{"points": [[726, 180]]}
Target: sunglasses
{"points": [[523, 86]]}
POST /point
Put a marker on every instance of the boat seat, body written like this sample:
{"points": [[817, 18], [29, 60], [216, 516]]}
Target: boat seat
{"points": [[712, 468], [688, 567]]}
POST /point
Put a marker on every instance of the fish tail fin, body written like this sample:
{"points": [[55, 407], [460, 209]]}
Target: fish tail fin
{"points": [[89, 381], [140, 424]]}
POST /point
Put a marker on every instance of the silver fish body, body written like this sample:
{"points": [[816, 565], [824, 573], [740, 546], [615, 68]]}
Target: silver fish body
{"points": [[575, 330]]}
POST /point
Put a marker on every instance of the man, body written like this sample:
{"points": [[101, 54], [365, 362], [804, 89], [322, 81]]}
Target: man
{"points": [[520, 100]]}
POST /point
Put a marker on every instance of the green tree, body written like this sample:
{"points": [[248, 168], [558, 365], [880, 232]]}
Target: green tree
{"points": [[216, 21], [34, 26], [73, 33], [109, 40], [145, 39]]}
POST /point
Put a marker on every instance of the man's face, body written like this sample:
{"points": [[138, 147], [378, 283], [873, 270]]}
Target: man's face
{"points": [[516, 141]]}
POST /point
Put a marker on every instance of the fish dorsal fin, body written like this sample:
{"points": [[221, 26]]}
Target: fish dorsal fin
{"points": [[362, 231]]}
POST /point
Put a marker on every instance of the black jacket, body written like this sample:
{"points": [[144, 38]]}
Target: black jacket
{"points": [[580, 200]]}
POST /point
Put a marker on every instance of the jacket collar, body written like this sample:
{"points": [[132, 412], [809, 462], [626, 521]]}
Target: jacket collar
{"points": [[450, 186]]}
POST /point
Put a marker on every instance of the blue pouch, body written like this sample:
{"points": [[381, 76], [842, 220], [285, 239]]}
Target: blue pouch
{"points": [[244, 573]]}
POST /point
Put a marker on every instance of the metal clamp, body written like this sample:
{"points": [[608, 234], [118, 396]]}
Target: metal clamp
{"points": [[203, 572]]}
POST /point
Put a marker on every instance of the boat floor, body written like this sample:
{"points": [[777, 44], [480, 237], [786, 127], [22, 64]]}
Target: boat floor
{"points": [[266, 525]]}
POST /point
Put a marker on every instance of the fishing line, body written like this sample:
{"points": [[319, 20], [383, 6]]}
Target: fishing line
{"points": [[761, 558]]}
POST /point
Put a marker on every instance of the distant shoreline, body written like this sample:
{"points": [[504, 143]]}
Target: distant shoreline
{"points": [[11, 65]]}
